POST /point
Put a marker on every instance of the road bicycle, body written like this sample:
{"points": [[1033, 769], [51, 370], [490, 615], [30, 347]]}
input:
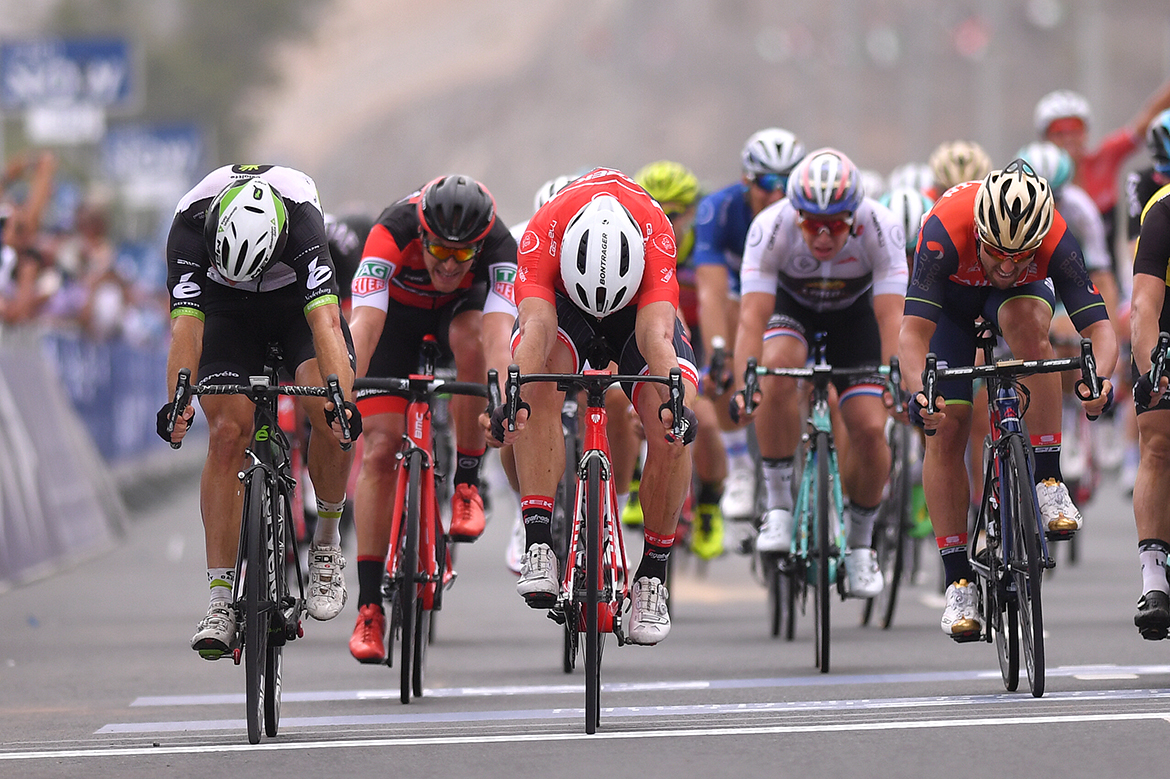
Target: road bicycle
{"points": [[1007, 543], [891, 532], [819, 509], [418, 564], [594, 583], [268, 613]]}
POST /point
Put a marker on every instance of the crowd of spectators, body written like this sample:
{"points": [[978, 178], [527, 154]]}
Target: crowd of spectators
{"points": [[66, 276]]}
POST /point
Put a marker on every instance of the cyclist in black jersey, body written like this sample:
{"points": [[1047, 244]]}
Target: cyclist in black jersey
{"points": [[247, 265]]}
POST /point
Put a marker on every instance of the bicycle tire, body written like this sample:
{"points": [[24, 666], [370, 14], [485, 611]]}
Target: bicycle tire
{"points": [[408, 591], [592, 533], [256, 611], [564, 507], [1005, 625], [821, 555], [1026, 567], [274, 666], [890, 535], [422, 625], [776, 596]]}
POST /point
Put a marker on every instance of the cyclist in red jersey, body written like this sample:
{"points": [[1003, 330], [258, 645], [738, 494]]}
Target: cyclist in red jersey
{"points": [[597, 281], [437, 262], [989, 250], [1062, 117]]}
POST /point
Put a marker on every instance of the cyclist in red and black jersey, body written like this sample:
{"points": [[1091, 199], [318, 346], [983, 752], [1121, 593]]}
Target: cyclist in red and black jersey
{"points": [[994, 249], [437, 262], [598, 282]]}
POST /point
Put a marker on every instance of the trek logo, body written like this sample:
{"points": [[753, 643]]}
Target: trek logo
{"points": [[319, 273], [185, 289]]}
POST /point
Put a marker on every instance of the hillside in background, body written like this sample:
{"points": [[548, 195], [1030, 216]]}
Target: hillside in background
{"points": [[386, 94]]}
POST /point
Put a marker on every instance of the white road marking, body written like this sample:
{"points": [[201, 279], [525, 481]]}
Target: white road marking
{"points": [[737, 731]]}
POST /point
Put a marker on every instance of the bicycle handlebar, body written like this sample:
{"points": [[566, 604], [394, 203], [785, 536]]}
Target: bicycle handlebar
{"points": [[256, 391], [820, 371], [367, 387], [593, 382], [1158, 359]]}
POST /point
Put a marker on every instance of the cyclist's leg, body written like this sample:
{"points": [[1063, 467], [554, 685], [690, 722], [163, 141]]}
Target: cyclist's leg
{"points": [[1151, 495], [465, 338], [778, 424], [710, 465], [1024, 319]]}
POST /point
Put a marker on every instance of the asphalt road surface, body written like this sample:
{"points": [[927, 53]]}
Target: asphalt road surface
{"points": [[97, 679]]}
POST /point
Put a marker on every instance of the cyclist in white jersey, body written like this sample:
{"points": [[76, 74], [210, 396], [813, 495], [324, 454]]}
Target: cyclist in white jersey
{"points": [[826, 259]]}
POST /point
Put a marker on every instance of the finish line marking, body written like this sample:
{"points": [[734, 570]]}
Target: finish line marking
{"points": [[820, 728], [1084, 672]]}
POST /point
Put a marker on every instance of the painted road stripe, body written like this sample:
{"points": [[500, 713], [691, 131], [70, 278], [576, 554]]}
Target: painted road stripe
{"points": [[1085, 672], [737, 731], [415, 717]]}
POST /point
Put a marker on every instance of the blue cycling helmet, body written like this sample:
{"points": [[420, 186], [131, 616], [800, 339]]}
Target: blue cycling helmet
{"points": [[1158, 141], [1050, 162], [825, 182], [908, 206]]}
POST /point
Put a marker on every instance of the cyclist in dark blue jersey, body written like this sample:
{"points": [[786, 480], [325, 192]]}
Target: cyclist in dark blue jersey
{"points": [[721, 227]]}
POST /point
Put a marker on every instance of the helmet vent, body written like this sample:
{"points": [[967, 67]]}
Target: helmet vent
{"points": [[583, 252]]}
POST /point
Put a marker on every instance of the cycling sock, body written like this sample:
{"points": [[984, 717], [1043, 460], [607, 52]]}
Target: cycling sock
{"points": [[221, 582], [371, 569], [1152, 553], [778, 481], [467, 466], [655, 554], [1047, 448], [709, 493], [860, 527], [537, 513], [735, 443], [328, 523], [953, 550]]}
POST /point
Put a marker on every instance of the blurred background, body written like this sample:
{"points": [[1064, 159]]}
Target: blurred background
{"points": [[111, 109]]}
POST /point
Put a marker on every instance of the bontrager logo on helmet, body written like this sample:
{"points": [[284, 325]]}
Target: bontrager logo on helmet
{"points": [[457, 209], [245, 229], [1013, 209], [603, 255], [825, 182]]}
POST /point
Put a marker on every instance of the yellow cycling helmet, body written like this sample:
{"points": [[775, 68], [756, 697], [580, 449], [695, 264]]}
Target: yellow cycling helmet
{"points": [[669, 182]]}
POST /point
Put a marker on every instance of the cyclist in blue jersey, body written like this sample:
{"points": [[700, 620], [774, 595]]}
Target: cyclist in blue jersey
{"points": [[721, 227]]}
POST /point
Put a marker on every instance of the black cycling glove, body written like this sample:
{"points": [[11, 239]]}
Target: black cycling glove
{"points": [[690, 425], [500, 415], [914, 409], [164, 416], [1143, 390], [355, 419]]}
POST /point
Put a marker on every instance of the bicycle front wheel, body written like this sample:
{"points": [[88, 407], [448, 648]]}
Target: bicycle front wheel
{"points": [[822, 554], [1026, 566], [257, 601], [592, 531], [408, 559]]}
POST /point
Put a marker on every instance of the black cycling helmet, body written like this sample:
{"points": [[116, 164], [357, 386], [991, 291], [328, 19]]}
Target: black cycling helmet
{"points": [[457, 209]]}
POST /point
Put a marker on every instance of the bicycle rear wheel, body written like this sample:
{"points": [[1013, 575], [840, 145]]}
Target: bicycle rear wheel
{"points": [[408, 591], [822, 557], [1026, 565], [257, 609], [592, 532]]}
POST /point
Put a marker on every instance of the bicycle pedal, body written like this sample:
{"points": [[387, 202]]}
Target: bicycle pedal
{"points": [[1059, 535], [540, 600], [557, 616], [966, 638], [1154, 634]]}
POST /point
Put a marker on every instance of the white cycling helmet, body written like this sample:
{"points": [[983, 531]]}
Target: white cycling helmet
{"points": [[547, 190], [603, 255], [872, 183], [245, 229], [908, 206], [1061, 104], [1013, 209], [917, 175], [1050, 162], [771, 150]]}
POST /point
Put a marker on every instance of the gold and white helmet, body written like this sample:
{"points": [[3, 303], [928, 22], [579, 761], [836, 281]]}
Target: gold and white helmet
{"points": [[954, 162], [1013, 209]]}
